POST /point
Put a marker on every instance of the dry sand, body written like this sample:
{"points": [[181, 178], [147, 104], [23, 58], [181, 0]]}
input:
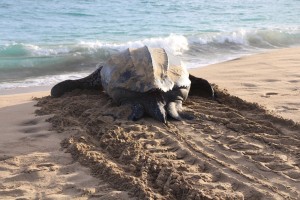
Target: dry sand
{"points": [[20, 98], [231, 149], [271, 79], [34, 166]]}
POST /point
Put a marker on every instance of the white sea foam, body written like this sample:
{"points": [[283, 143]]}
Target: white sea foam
{"points": [[46, 51], [40, 81], [22, 49], [236, 37], [19, 59], [175, 44]]}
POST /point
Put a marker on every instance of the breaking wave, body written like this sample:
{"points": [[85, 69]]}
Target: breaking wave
{"points": [[19, 61], [176, 44]]}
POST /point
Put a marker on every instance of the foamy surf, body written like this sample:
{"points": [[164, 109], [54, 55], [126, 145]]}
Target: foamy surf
{"points": [[40, 81], [27, 65]]}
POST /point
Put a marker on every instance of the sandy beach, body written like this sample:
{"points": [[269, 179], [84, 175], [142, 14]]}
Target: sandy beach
{"points": [[243, 145], [270, 79]]}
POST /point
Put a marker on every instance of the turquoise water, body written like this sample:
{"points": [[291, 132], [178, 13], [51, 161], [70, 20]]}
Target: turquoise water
{"points": [[43, 42]]}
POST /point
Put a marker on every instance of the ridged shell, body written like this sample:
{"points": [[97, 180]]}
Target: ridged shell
{"points": [[142, 70]]}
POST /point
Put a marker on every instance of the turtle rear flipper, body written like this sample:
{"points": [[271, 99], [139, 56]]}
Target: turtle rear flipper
{"points": [[63, 87], [201, 87], [91, 82]]}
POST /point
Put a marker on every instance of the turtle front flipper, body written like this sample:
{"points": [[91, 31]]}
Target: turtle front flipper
{"points": [[201, 87], [137, 112], [174, 108], [157, 111], [154, 105], [93, 81]]}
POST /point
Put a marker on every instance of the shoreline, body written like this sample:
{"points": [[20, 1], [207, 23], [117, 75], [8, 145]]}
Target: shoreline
{"points": [[270, 79]]}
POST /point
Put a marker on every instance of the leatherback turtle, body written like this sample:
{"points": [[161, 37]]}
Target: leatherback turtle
{"points": [[149, 79]]}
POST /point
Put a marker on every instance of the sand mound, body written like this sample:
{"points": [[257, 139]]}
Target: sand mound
{"points": [[230, 150]]}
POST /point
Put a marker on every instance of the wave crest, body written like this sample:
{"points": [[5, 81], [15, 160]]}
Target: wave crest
{"points": [[251, 38], [176, 44], [20, 61]]}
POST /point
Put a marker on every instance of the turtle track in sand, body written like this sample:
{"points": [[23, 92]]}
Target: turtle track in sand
{"points": [[230, 150]]}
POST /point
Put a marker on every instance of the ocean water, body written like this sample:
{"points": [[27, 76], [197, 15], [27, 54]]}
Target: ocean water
{"points": [[44, 42]]}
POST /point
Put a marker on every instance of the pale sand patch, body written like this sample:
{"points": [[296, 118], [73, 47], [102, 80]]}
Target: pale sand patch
{"points": [[32, 163], [14, 99], [271, 79]]}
